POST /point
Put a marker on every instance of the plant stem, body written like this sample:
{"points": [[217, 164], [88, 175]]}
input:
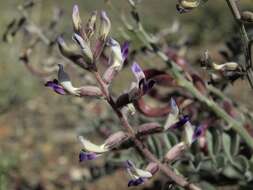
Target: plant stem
{"points": [[176, 73], [179, 180]]}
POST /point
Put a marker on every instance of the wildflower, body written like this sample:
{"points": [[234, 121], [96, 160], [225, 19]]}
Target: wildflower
{"points": [[143, 84], [174, 120], [116, 59], [63, 86], [105, 26], [191, 133], [138, 176], [92, 151]]}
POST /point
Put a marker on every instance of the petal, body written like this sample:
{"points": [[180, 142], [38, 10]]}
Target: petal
{"points": [[197, 133], [143, 173], [188, 133], [125, 50], [174, 107], [76, 19], [90, 147], [56, 87], [105, 26], [136, 182], [87, 156], [146, 86], [138, 72], [182, 121], [85, 47], [136, 171], [116, 59], [65, 82]]}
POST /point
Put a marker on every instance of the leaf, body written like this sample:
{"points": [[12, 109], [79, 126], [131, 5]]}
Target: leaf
{"points": [[235, 143], [172, 138], [207, 186], [226, 140], [242, 163], [158, 147], [231, 172], [221, 161], [206, 165]]}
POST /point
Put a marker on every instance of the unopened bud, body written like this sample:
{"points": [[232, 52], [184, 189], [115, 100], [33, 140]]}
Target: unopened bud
{"points": [[85, 47], [148, 129], [91, 91], [77, 23], [91, 25], [105, 26], [71, 53], [247, 16], [175, 152], [116, 139]]}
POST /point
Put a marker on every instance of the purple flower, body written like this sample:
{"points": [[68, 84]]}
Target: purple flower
{"points": [[87, 156], [125, 50], [138, 176], [136, 182], [54, 85], [143, 84]]}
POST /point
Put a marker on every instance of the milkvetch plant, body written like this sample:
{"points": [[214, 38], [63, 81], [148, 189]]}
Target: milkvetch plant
{"points": [[204, 132]]}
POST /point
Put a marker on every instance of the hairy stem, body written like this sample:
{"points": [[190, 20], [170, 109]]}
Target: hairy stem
{"points": [[179, 180]]}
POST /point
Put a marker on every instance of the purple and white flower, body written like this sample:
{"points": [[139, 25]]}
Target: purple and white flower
{"points": [[138, 176], [90, 150], [143, 84]]}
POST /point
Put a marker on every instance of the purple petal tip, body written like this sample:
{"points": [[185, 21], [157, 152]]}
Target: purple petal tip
{"points": [[86, 156], [136, 182], [136, 68]]}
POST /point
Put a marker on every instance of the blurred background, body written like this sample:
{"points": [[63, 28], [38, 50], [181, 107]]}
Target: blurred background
{"points": [[38, 129]]}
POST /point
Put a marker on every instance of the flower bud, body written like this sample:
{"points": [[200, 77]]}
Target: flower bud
{"points": [[247, 16], [175, 152], [77, 23], [105, 26], [91, 25], [85, 48], [148, 129], [116, 58], [65, 81], [92, 91], [116, 139], [71, 53]]}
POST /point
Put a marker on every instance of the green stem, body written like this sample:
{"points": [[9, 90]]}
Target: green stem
{"points": [[176, 73]]}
